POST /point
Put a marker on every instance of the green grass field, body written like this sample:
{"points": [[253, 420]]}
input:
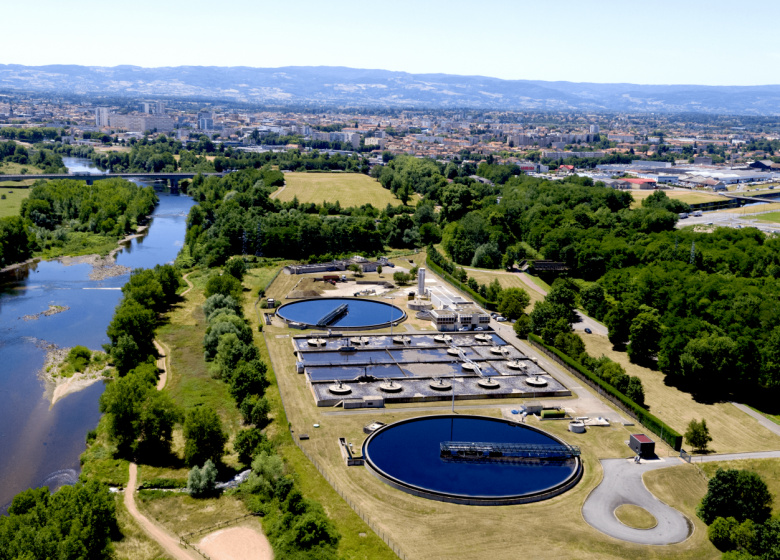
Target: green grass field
{"points": [[691, 197], [10, 168], [774, 217], [13, 201], [732, 430], [349, 189]]}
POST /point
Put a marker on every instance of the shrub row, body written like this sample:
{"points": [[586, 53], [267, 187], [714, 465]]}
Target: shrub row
{"points": [[489, 305], [553, 414], [652, 423]]}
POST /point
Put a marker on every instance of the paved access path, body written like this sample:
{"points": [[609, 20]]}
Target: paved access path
{"points": [[763, 420], [623, 484]]}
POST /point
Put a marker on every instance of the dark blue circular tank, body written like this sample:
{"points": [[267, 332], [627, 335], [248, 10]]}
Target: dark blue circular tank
{"points": [[329, 313], [408, 455]]}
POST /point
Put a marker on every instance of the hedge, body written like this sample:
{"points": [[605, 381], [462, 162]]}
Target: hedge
{"points": [[658, 427], [489, 305], [553, 414]]}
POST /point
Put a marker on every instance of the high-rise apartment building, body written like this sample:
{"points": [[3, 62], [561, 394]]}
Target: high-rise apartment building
{"points": [[206, 120], [594, 129], [101, 116], [159, 108], [143, 107]]}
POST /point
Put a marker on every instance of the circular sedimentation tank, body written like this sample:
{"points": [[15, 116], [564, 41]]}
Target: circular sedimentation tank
{"points": [[401, 339], [317, 342], [488, 383], [499, 350], [536, 381], [440, 385], [468, 367], [390, 387], [452, 351], [483, 337], [445, 338], [339, 389], [408, 456], [360, 340], [515, 364], [324, 313]]}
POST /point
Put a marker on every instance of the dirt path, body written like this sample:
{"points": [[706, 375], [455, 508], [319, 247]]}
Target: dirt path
{"points": [[237, 543], [169, 542], [163, 351]]}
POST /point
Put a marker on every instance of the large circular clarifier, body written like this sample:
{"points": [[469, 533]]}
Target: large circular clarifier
{"points": [[326, 313], [408, 455]]}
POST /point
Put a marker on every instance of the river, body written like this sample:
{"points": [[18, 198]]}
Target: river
{"points": [[40, 444]]}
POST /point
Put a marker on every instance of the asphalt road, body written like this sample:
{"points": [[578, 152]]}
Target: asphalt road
{"points": [[622, 484]]}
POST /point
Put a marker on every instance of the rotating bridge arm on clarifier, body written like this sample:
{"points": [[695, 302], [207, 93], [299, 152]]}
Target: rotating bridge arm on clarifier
{"points": [[525, 450], [466, 359], [333, 315]]}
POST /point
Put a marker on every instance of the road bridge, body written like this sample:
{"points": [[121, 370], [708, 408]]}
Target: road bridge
{"points": [[750, 198], [90, 178]]}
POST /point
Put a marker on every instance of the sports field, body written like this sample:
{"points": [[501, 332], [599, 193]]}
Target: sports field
{"points": [[13, 201], [689, 197], [349, 189]]}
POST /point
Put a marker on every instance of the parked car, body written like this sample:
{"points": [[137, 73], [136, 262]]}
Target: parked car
{"points": [[587, 330], [463, 329], [479, 329], [501, 319]]}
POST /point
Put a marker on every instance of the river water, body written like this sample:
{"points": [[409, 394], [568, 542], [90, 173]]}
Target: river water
{"points": [[40, 444]]}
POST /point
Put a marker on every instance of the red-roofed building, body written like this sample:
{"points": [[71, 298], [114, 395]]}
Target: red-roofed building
{"points": [[643, 183]]}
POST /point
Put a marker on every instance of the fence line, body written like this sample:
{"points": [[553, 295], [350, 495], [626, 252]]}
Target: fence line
{"points": [[364, 516], [185, 541]]}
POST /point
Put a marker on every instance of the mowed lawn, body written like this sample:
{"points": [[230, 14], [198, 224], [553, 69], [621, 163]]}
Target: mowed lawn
{"points": [[13, 201], [731, 429], [773, 217], [507, 280], [349, 189], [691, 197]]}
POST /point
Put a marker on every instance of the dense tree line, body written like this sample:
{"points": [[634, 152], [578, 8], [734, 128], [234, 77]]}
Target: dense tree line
{"points": [[31, 135], [112, 207], [75, 522], [41, 158], [236, 216]]}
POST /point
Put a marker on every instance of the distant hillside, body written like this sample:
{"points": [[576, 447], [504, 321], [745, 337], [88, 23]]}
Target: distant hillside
{"points": [[353, 87]]}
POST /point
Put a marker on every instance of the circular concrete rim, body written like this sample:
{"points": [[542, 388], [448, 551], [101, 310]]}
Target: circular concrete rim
{"points": [[562, 487], [398, 321], [636, 528]]}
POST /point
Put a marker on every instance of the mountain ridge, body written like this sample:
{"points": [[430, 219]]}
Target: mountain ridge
{"points": [[339, 85]]}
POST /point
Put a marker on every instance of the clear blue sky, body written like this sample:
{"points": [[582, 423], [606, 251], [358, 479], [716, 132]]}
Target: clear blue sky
{"points": [[661, 42]]}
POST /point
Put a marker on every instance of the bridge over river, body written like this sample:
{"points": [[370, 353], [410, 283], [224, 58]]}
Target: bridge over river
{"points": [[90, 178]]}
